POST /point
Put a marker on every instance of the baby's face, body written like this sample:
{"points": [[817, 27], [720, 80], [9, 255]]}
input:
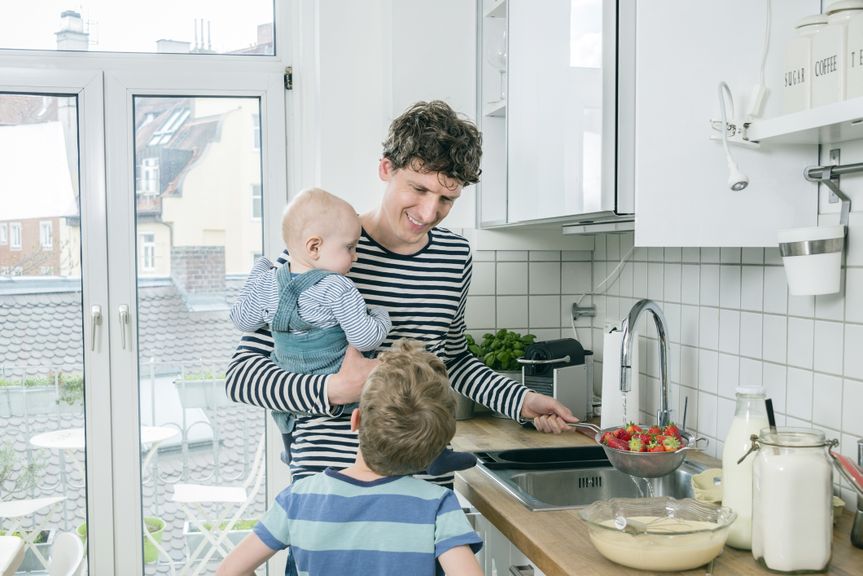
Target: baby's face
{"points": [[338, 250]]}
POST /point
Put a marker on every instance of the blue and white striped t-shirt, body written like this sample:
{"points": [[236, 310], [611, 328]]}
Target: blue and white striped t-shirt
{"points": [[336, 524]]}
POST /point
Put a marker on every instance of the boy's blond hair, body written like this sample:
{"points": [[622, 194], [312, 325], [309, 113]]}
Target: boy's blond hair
{"points": [[407, 411], [313, 212]]}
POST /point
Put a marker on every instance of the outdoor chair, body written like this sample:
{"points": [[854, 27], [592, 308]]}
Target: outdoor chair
{"points": [[67, 555], [208, 508]]}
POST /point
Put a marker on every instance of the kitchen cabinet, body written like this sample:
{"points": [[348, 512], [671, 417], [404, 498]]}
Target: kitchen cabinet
{"points": [[499, 556], [683, 50], [548, 110]]}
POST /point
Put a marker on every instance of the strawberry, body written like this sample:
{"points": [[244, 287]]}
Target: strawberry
{"points": [[654, 430], [671, 444], [636, 445], [633, 428], [616, 443], [656, 448], [672, 430], [622, 434]]}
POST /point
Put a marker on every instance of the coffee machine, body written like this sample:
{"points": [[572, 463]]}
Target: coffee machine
{"points": [[562, 369]]}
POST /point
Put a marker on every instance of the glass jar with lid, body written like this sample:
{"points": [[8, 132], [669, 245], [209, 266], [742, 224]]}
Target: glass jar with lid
{"points": [[792, 492], [797, 75]]}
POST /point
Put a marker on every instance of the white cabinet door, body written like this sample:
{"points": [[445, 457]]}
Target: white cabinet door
{"points": [[492, 53], [684, 48], [560, 108]]}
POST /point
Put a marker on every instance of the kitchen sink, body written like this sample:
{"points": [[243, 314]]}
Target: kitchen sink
{"points": [[562, 478]]}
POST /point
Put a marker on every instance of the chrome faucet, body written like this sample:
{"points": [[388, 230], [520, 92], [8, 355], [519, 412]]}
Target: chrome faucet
{"points": [[629, 325]]}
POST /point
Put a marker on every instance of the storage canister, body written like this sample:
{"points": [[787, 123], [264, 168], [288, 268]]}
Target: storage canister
{"points": [[830, 53], [792, 492], [797, 75], [854, 53]]}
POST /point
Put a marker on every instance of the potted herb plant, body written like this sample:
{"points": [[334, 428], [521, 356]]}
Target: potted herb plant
{"points": [[500, 351]]}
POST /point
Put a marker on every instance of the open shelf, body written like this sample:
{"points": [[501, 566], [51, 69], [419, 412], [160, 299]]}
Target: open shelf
{"points": [[496, 10], [827, 124], [496, 109]]}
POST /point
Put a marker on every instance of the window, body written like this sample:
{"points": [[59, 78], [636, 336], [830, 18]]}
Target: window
{"points": [[46, 235], [149, 176], [148, 252], [15, 235], [257, 205], [256, 131], [46, 270], [4, 234]]}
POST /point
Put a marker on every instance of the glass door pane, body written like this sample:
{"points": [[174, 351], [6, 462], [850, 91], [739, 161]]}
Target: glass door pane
{"points": [[43, 488], [198, 229]]}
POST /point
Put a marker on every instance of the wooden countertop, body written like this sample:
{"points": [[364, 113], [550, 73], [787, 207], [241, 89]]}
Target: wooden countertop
{"points": [[557, 541]]}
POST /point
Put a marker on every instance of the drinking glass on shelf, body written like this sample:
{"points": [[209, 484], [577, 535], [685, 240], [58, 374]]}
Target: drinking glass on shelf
{"points": [[496, 57]]}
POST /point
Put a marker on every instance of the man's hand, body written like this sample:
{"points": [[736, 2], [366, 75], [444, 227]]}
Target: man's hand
{"points": [[345, 386], [548, 414]]}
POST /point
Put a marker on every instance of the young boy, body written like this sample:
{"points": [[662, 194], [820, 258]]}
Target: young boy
{"points": [[313, 309], [373, 518]]}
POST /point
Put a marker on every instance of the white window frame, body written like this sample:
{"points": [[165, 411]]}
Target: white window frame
{"points": [[4, 233], [148, 251], [150, 176], [16, 236], [257, 205], [46, 234], [256, 131], [105, 126]]}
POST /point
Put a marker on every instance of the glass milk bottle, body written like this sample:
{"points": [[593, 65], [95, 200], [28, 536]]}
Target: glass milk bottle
{"points": [[854, 52], [750, 416], [792, 516], [797, 75]]}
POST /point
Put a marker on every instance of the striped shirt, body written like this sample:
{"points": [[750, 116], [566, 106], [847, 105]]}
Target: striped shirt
{"points": [[425, 294], [333, 301], [336, 524]]}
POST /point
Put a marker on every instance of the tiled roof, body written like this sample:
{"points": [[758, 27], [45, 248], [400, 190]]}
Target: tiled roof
{"points": [[45, 330]]}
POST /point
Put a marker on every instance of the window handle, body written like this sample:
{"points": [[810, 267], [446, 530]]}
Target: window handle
{"points": [[95, 322], [124, 322]]}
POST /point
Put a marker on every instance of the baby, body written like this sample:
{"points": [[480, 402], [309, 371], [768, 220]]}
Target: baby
{"points": [[312, 308]]}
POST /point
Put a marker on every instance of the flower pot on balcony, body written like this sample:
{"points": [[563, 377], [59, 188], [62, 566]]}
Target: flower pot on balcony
{"points": [[156, 526], [209, 393]]}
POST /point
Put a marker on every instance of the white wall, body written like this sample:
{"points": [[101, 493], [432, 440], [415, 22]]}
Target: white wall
{"points": [[373, 59], [731, 321]]}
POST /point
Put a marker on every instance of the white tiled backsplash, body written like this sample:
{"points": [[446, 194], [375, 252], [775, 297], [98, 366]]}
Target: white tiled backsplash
{"points": [[731, 321]]}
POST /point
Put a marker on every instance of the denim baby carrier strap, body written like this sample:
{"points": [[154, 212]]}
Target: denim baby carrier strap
{"points": [[315, 351]]}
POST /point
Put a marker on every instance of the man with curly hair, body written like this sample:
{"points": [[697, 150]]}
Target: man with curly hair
{"points": [[420, 274]]}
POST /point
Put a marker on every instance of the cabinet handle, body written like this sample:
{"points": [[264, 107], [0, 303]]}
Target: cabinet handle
{"points": [[95, 322], [124, 322], [521, 570]]}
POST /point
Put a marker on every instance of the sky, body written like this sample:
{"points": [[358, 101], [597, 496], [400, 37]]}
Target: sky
{"points": [[127, 26]]}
